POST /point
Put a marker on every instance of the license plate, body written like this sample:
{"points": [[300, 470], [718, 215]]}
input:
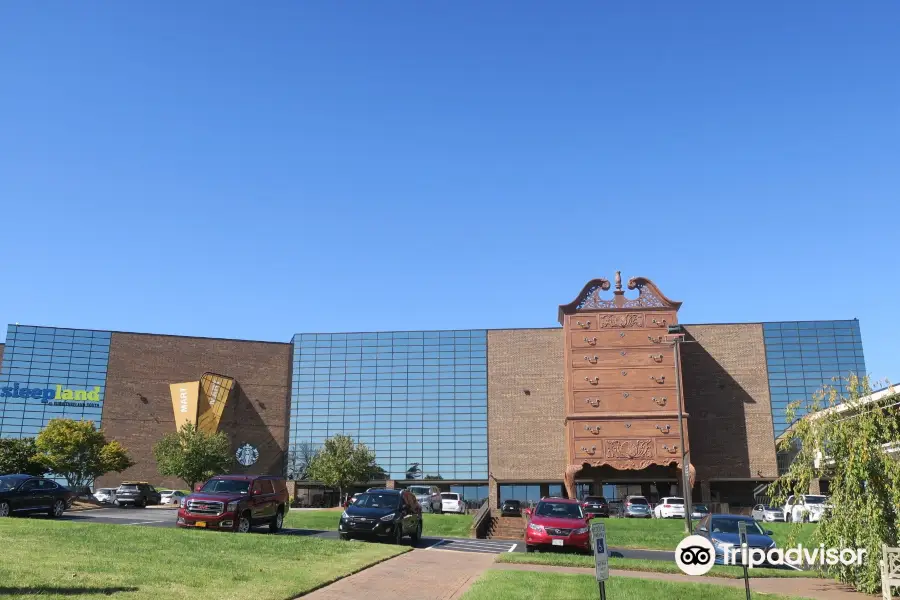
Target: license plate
{"points": [[200, 524], [558, 542]]}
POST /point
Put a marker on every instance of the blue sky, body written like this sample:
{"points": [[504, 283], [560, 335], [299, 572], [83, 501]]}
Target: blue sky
{"points": [[242, 170]]}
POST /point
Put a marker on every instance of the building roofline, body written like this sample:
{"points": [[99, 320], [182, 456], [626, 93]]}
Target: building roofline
{"points": [[193, 337]]}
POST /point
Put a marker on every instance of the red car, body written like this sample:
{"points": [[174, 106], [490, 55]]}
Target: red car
{"points": [[236, 503], [557, 522]]}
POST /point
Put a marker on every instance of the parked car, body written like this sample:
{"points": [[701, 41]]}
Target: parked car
{"points": [[236, 503], [451, 502], [595, 506], [616, 508], [429, 497], [636, 507], [805, 508], [699, 511], [557, 522], [391, 514], [105, 495], [722, 531], [511, 508], [137, 493], [767, 512], [22, 494], [669, 507], [171, 496]]}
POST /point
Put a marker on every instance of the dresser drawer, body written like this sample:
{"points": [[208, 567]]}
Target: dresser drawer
{"points": [[639, 357], [659, 320], [643, 427], [617, 339], [619, 401], [582, 322], [630, 377], [588, 449]]}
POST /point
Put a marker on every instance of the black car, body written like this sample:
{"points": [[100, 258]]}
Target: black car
{"points": [[138, 493], [511, 508], [595, 506], [391, 514], [21, 494]]}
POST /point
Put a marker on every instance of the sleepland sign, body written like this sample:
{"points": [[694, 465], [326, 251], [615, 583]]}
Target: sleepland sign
{"points": [[57, 396]]}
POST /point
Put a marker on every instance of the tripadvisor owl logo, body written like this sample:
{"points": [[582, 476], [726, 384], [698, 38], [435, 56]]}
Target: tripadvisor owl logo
{"points": [[695, 555]]}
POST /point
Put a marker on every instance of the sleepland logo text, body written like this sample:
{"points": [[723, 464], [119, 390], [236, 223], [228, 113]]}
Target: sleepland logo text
{"points": [[59, 394]]}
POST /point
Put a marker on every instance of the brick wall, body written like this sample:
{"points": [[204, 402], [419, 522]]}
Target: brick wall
{"points": [[526, 432], [1, 353], [726, 393], [137, 408]]}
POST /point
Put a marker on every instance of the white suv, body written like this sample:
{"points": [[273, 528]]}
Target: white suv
{"points": [[808, 507], [453, 503], [670, 507]]}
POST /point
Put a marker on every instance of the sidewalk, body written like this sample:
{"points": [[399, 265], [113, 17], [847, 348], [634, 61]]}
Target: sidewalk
{"points": [[437, 575], [818, 589]]}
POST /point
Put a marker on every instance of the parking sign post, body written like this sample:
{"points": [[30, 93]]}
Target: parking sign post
{"points": [[745, 554], [601, 556]]}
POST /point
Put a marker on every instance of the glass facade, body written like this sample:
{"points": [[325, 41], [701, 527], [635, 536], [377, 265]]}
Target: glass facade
{"points": [[50, 373], [418, 399], [804, 356]]}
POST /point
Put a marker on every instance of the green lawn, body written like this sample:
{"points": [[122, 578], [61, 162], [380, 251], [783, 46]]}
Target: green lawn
{"points": [[633, 564], [60, 559], [432, 525], [664, 534], [526, 585]]}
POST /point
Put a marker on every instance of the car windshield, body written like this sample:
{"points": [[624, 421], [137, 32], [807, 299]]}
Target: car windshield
{"points": [[562, 510], [701, 507], [226, 486], [815, 499], [770, 507], [8, 483], [731, 526], [675, 501], [376, 500], [128, 487], [638, 501], [420, 491], [511, 503], [595, 499], [450, 496]]}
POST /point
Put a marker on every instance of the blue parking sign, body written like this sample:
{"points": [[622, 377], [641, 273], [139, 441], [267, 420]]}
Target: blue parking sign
{"points": [[600, 546]]}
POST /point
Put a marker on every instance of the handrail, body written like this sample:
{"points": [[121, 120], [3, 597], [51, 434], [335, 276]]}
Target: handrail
{"points": [[483, 514]]}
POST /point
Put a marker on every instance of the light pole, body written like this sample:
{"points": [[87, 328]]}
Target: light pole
{"points": [[678, 333]]}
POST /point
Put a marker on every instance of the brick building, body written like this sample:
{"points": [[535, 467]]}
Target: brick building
{"points": [[588, 407]]}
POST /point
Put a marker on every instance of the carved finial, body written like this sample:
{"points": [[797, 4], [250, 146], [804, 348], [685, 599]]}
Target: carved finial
{"points": [[618, 280]]}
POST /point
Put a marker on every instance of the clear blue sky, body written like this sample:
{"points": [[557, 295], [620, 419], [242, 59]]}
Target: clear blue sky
{"points": [[253, 170]]}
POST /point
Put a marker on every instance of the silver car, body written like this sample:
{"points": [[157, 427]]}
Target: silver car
{"points": [[637, 507], [763, 512], [429, 497]]}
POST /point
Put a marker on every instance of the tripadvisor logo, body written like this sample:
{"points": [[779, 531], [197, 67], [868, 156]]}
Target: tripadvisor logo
{"points": [[57, 395]]}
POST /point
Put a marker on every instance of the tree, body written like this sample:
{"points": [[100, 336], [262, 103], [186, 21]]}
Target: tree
{"points": [[20, 456], [193, 455], [298, 460], [78, 451], [341, 462], [414, 471], [433, 477], [851, 446]]}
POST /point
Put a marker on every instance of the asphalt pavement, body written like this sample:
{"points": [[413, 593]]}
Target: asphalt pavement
{"points": [[165, 517]]}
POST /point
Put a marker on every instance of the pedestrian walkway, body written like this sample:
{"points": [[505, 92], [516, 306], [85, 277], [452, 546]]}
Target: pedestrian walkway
{"points": [[818, 589], [415, 575], [474, 545]]}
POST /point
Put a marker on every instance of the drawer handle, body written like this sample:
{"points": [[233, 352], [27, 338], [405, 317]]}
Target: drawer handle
{"points": [[590, 341], [660, 379], [622, 334], [595, 430], [656, 357], [660, 322], [660, 401], [625, 394], [624, 373], [671, 450], [593, 360], [664, 428], [591, 451], [592, 380], [627, 425], [585, 325], [595, 402], [623, 353], [656, 340]]}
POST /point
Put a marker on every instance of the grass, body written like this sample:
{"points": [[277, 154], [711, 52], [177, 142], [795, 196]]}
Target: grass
{"points": [[432, 525], [59, 559], [664, 534], [557, 559], [525, 585]]}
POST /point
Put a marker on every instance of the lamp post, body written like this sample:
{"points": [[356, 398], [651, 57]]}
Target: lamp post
{"points": [[678, 333]]}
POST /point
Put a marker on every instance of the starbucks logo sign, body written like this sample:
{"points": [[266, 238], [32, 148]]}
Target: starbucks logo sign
{"points": [[247, 455]]}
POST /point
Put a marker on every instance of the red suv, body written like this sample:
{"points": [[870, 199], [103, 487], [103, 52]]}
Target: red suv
{"points": [[557, 522], [236, 503]]}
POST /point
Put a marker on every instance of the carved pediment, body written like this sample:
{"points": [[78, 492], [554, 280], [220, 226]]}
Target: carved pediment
{"points": [[591, 297]]}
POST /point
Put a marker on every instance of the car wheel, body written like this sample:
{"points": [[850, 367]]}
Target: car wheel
{"points": [[244, 523], [57, 509], [529, 548], [344, 536], [277, 522], [4, 509]]}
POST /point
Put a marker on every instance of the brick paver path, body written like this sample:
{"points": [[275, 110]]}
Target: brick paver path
{"points": [[818, 589], [432, 574]]}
